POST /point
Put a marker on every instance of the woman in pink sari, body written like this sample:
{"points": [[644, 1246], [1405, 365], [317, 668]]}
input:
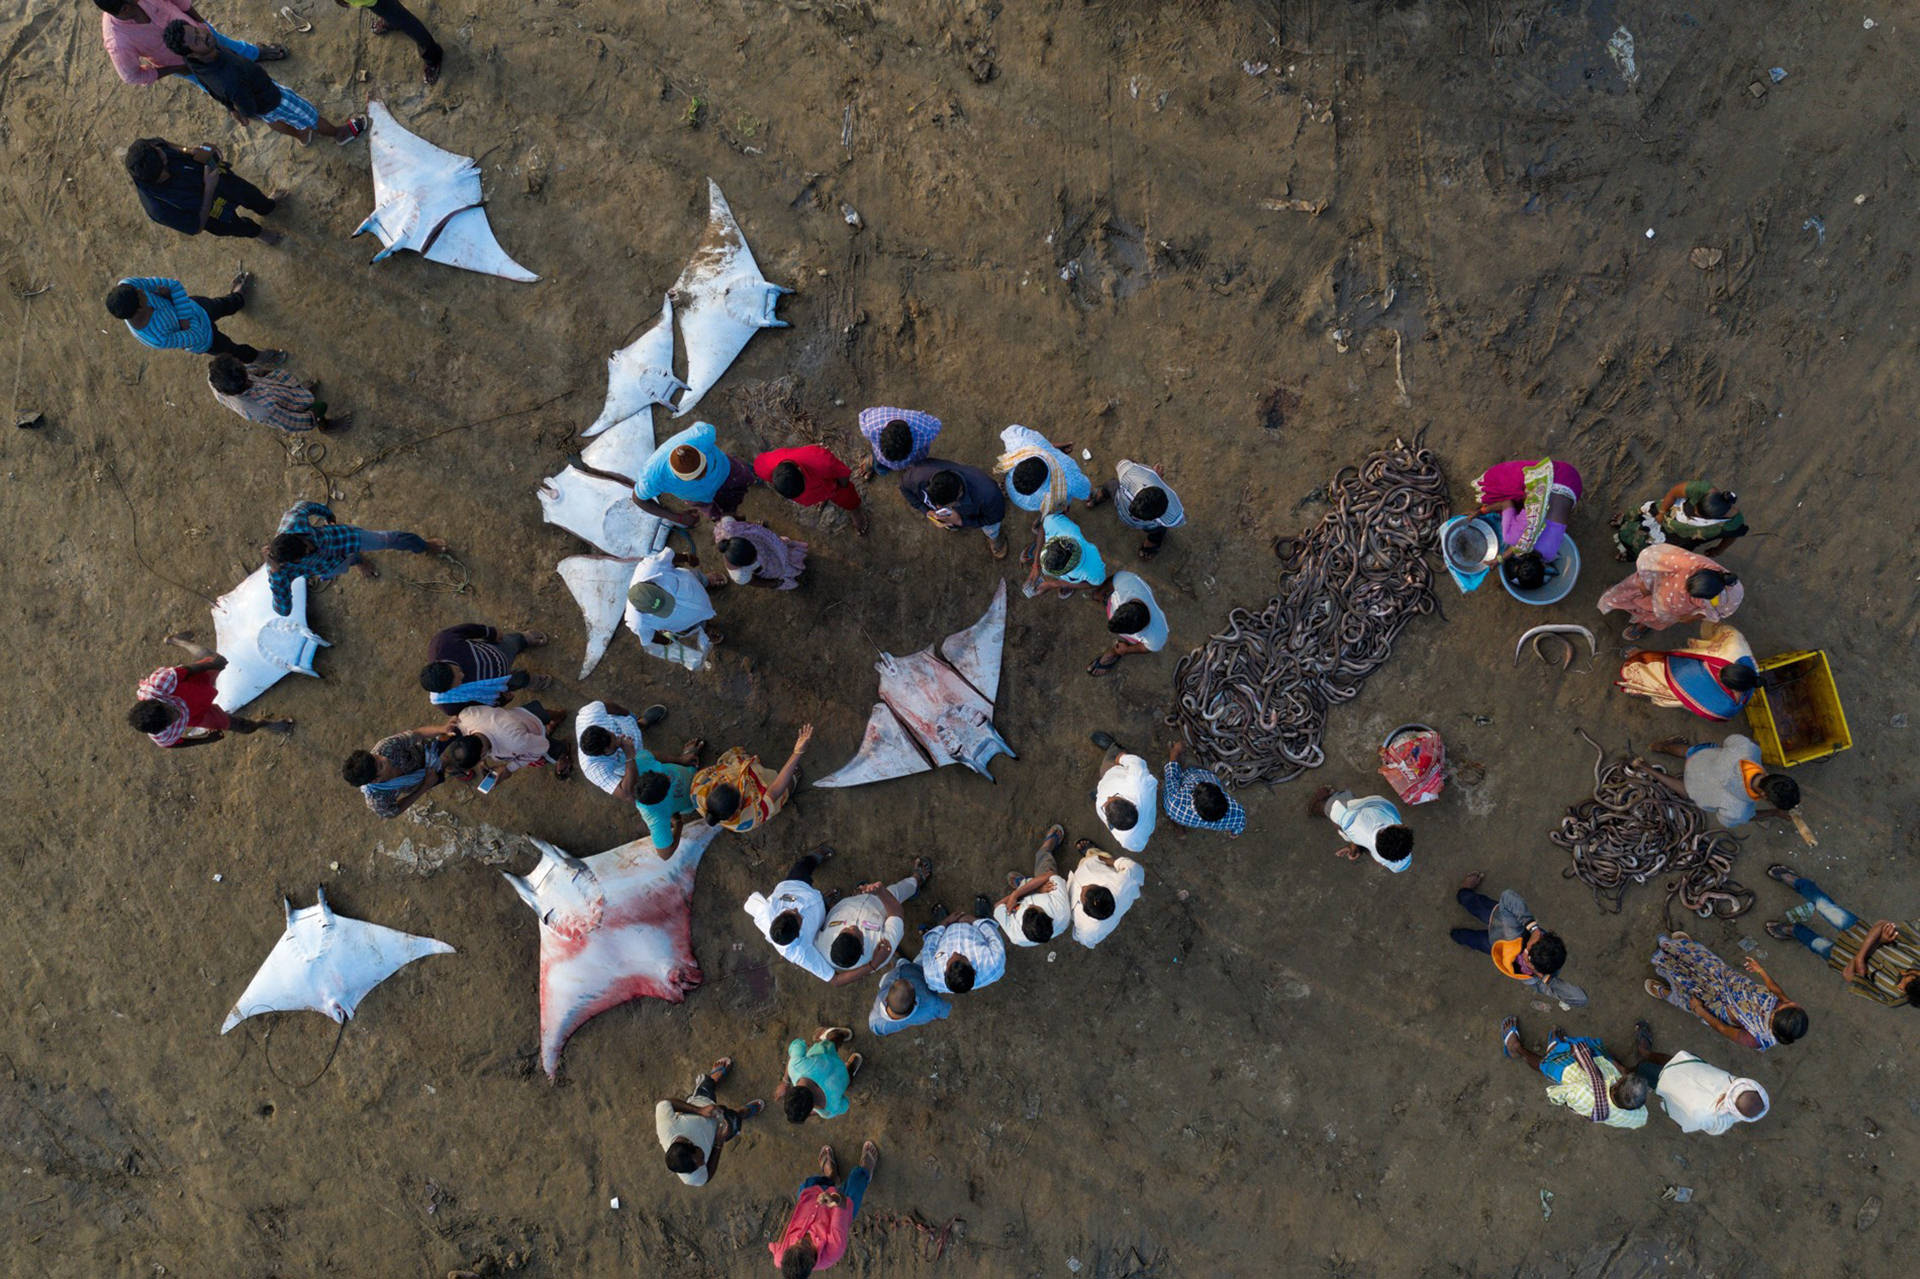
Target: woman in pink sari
{"points": [[757, 555], [1669, 586]]}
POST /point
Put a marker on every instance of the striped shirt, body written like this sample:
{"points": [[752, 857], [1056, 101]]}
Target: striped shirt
{"points": [[1884, 966], [171, 305], [335, 548], [975, 939], [272, 398], [605, 771], [1575, 1092], [1131, 478], [163, 686], [922, 426]]}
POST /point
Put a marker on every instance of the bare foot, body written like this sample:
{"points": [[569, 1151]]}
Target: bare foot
{"points": [[827, 1164], [1473, 880], [853, 1065], [869, 1156], [182, 638]]}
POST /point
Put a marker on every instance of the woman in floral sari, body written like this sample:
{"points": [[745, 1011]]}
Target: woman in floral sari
{"points": [[1757, 1014], [738, 793], [1669, 586]]}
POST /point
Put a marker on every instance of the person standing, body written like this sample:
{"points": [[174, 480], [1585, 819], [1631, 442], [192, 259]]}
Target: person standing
{"points": [[1102, 889], [1697, 1096], [899, 438], [391, 17], [472, 665], [195, 191], [398, 771], [268, 395], [963, 952], [904, 1000], [817, 1233], [808, 475], [756, 555], [1041, 476], [247, 92], [134, 34], [1063, 560], [1039, 907], [1881, 961], [1693, 516], [1144, 502], [817, 1076], [602, 732], [1753, 1013], [791, 916], [1128, 796], [692, 467], [1513, 939], [1728, 780], [668, 602], [160, 312], [1372, 823], [1669, 586], [311, 543], [1196, 798], [1714, 676], [1585, 1080], [955, 496], [862, 931], [738, 793], [175, 705], [692, 1132], [1134, 619]]}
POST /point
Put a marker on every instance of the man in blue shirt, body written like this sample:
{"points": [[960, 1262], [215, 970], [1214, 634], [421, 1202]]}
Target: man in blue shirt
{"points": [[160, 312], [312, 544]]}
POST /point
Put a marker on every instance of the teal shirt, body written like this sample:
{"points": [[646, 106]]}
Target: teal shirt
{"points": [[1090, 571], [820, 1064], [659, 817]]}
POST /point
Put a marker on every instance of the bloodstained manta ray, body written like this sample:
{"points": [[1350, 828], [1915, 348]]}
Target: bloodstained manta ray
{"points": [[614, 927], [260, 646], [326, 963], [429, 201], [935, 708]]}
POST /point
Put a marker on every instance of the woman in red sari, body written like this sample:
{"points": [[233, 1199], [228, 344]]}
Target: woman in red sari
{"points": [[1713, 676]]}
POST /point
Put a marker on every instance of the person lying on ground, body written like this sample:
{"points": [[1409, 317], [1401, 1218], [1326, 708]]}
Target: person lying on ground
{"points": [[1039, 907], [175, 705], [817, 1078], [1513, 939], [904, 999], [808, 475], [1728, 779], [955, 496], [1196, 798], [1144, 502], [398, 770], [268, 395], [862, 931], [1372, 823], [1585, 1080], [791, 916], [1102, 889], [1880, 961], [472, 665], [311, 543], [159, 312], [1128, 795], [738, 793], [247, 92], [1134, 619], [692, 1132], [1697, 1096], [195, 191], [817, 1233], [1751, 1011]]}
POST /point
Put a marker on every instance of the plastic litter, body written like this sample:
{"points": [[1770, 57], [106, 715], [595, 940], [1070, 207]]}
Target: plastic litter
{"points": [[1677, 1194], [1546, 1204], [1777, 74]]}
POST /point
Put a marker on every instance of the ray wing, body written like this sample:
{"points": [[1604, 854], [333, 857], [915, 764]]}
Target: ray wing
{"points": [[326, 963], [723, 300], [599, 585], [260, 646], [886, 750], [640, 374], [975, 652], [601, 511], [622, 449]]}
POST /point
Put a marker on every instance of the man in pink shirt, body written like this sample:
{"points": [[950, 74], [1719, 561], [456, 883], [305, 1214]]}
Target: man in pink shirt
{"points": [[132, 31], [817, 1232]]}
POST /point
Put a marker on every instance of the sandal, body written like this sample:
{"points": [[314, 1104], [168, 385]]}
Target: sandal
{"points": [[1102, 739], [654, 714], [536, 639], [853, 1066], [1657, 989], [1643, 1036], [1149, 549], [1509, 1031], [1103, 664], [240, 281], [271, 52], [1055, 835], [1015, 879], [1782, 872], [1779, 930], [753, 1108], [923, 870], [718, 1071], [999, 547]]}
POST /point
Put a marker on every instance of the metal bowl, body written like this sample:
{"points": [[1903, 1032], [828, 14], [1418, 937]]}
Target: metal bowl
{"points": [[1469, 544]]}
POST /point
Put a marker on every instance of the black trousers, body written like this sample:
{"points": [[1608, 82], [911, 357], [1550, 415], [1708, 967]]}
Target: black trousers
{"points": [[219, 309], [399, 19], [239, 194]]}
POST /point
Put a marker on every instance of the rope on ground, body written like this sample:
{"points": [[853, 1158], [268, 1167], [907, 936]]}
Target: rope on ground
{"points": [[133, 517], [1252, 703], [1636, 828]]}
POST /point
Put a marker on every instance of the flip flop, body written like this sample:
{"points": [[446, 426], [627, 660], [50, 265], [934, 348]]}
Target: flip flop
{"points": [[1102, 739], [1658, 990], [1782, 872], [1056, 834], [1103, 664], [240, 281], [654, 714], [923, 867], [1643, 1036], [1779, 930], [1509, 1030], [272, 52], [536, 639], [754, 1107], [999, 546]]}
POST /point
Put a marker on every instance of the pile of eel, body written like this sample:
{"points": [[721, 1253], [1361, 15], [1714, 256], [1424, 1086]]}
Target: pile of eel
{"points": [[1636, 828], [1252, 703]]}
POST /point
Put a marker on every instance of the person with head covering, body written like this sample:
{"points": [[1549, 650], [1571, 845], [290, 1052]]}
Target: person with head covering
{"points": [[1585, 1080], [668, 602], [1061, 558], [1693, 516], [1143, 500], [1751, 1011], [1535, 499], [1714, 676], [1697, 1096], [692, 467], [1669, 586], [1041, 476], [755, 555]]}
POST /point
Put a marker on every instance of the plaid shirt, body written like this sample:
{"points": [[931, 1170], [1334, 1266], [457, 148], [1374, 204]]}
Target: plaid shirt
{"points": [[162, 330], [272, 398], [977, 939], [923, 426], [337, 546], [160, 687], [1176, 796]]}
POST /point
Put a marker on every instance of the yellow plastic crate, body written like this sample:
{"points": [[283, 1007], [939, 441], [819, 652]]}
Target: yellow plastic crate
{"points": [[1795, 714]]}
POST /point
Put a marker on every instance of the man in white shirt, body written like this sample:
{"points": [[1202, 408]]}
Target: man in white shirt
{"points": [[668, 602], [863, 931], [691, 1132], [598, 730], [1128, 796], [792, 916], [1697, 1096], [1038, 909], [1102, 889], [1372, 823], [963, 952]]}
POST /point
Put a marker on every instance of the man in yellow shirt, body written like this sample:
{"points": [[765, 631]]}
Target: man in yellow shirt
{"points": [[1585, 1080], [391, 15]]}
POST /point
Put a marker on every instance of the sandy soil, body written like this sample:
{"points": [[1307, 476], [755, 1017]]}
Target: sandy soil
{"points": [[1278, 1065]]}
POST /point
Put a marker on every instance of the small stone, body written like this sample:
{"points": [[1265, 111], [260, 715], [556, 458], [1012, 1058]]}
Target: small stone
{"points": [[218, 878], [614, 1203], [1861, 198], [1649, 233], [1757, 90]]}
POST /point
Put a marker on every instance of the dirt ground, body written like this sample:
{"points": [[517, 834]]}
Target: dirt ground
{"points": [[1079, 216]]}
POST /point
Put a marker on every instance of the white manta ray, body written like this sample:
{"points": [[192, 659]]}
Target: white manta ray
{"points": [[429, 201], [614, 927], [601, 511], [640, 374], [260, 646], [326, 963], [935, 709], [723, 300], [623, 449], [599, 584]]}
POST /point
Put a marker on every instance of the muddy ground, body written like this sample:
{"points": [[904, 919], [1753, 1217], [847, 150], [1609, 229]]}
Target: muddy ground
{"points": [[1080, 216]]}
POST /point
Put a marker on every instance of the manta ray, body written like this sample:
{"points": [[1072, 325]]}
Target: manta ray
{"points": [[326, 963], [935, 708], [260, 646], [723, 301], [640, 375], [429, 201], [613, 927]]}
